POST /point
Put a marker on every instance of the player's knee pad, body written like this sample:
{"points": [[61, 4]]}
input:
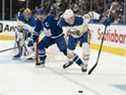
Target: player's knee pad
{"points": [[74, 58], [86, 51], [70, 54]]}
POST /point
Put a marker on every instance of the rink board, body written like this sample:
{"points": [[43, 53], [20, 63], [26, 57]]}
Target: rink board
{"points": [[7, 30], [6, 37], [115, 38]]}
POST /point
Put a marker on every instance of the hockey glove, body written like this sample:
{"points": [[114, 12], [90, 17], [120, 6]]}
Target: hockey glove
{"points": [[108, 21], [30, 43]]}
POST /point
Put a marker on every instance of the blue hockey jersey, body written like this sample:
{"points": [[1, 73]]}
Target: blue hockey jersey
{"points": [[29, 20], [77, 29], [51, 24], [78, 21]]}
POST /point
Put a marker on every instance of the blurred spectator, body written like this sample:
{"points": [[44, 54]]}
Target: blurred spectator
{"points": [[81, 7]]}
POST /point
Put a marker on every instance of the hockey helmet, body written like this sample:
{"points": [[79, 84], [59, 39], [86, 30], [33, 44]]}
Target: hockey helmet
{"points": [[68, 16]]}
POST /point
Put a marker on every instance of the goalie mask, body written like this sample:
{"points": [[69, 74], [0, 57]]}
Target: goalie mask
{"points": [[69, 16], [27, 12], [20, 25]]}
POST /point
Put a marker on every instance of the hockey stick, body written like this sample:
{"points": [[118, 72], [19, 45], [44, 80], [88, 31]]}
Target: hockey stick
{"points": [[108, 21], [99, 52], [7, 49], [37, 55]]}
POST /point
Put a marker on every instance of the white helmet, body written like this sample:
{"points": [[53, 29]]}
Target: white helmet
{"points": [[67, 15]]}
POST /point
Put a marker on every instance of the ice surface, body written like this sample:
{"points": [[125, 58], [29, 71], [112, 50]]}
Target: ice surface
{"points": [[20, 77]]}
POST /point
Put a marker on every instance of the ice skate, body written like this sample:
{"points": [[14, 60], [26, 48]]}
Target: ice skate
{"points": [[84, 67], [66, 65]]}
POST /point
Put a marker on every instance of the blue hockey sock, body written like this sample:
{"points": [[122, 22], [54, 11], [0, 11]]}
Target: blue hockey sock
{"points": [[77, 60], [42, 59]]}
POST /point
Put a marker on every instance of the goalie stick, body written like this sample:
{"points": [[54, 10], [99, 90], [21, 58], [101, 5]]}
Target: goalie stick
{"points": [[7, 49]]}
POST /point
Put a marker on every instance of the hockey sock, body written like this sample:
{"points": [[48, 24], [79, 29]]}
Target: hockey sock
{"points": [[77, 60]]}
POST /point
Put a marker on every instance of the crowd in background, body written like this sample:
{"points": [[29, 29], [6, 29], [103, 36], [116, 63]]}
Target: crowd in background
{"points": [[81, 7]]}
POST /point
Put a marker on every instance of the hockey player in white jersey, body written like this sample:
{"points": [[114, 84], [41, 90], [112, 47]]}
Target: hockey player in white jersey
{"points": [[77, 31], [22, 35], [19, 38]]}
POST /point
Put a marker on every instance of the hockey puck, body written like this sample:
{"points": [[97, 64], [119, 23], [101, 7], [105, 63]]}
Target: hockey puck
{"points": [[80, 91]]}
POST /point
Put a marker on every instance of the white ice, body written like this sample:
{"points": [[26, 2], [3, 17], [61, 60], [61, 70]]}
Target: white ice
{"points": [[20, 77]]}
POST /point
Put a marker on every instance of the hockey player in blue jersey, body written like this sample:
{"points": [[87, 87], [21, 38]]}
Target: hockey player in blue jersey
{"points": [[54, 35], [77, 31], [38, 29]]}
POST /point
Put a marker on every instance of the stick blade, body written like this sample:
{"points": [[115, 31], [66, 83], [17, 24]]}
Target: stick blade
{"points": [[92, 69]]}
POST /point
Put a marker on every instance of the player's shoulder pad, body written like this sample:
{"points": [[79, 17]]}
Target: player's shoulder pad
{"points": [[62, 23], [46, 23], [50, 18], [78, 20]]}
